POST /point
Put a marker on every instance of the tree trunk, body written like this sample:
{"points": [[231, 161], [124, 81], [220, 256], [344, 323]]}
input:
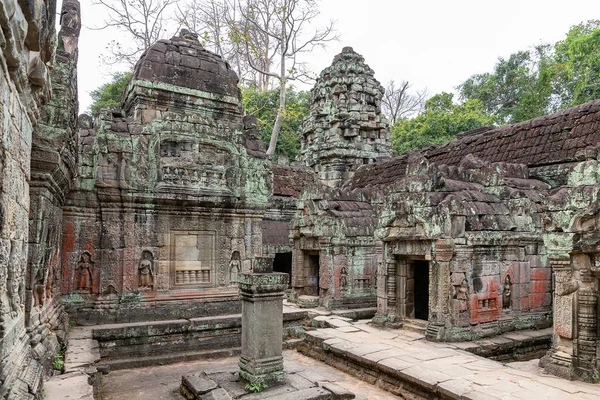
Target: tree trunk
{"points": [[278, 121], [281, 110]]}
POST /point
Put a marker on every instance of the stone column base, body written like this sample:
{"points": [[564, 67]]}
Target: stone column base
{"points": [[258, 371], [559, 364]]}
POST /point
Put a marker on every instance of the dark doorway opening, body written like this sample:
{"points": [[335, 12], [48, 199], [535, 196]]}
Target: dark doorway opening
{"points": [[283, 263], [421, 271], [312, 279]]}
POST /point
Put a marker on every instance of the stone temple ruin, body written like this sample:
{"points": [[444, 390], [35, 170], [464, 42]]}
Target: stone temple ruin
{"points": [[150, 215]]}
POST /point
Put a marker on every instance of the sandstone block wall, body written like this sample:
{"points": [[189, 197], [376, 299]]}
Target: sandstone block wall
{"points": [[30, 211], [172, 190]]}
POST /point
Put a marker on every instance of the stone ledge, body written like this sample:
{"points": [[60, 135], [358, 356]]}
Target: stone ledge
{"points": [[75, 384], [417, 369], [80, 373]]}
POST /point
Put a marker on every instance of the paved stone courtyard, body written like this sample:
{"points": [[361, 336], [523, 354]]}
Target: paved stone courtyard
{"points": [[162, 382], [441, 368]]}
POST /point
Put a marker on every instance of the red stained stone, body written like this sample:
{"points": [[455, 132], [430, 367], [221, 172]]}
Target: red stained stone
{"points": [[540, 286], [539, 300], [541, 274]]}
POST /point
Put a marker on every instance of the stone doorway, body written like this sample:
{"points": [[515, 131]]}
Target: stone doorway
{"points": [[421, 289], [312, 274], [283, 263], [412, 288]]}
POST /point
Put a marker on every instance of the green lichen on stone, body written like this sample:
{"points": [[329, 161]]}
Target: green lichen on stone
{"points": [[72, 299]]}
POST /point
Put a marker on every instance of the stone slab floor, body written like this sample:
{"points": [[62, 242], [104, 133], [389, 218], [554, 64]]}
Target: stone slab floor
{"points": [[443, 368], [162, 382]]}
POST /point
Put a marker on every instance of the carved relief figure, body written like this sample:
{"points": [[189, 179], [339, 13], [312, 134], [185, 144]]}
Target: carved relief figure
{"points": [[145, 272], [234, 267], [107, 170], [85, 272], [14, 277], [343, 278], [39, 289], [462, 295], [4, 301], [507, 293]]}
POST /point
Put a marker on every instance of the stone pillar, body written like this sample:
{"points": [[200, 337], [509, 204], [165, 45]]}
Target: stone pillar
{"points": [[261, 292], [587, 328]]}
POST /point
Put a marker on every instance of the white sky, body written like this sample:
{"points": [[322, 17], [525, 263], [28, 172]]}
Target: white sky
{"points": [[435, 44]]}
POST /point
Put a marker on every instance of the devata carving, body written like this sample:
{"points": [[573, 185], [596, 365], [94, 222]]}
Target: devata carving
{"points": [[145, 271], [343, 279], [507, 293], [235, 267], [462, 295], [85, 272]]}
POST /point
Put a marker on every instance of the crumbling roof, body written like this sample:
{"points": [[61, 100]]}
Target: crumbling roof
{"points": [[358, 217], [554, 138], [381, 173], [291, 181]]}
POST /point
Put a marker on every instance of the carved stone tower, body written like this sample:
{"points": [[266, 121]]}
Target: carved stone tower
{"points": [[345, 128]]}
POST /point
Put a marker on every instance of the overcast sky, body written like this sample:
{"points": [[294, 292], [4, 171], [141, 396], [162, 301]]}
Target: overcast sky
{"points": [[434, 44]]}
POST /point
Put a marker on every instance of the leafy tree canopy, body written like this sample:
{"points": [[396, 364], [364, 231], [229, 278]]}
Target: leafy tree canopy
{"points": [[265, 104], [109, 94], [548, 78], [439, 123], [575, 70], [514, 91]]}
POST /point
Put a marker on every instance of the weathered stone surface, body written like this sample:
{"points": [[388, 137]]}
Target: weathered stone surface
{"points": [[261, 361], [75, 384], [217, 394], [159, 206], [33, 185], [198, 385], [196, 183], [346, 128]]}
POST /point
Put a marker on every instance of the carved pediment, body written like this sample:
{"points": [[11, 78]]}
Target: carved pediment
{"points": [[198, 166]]}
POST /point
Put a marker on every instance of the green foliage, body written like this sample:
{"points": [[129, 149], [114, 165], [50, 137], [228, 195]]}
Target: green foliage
{"points": [[59, 362], [545, 79], [576, 67], [439, 123], [109, 94], [264, 105], [256, 387], [514, 91]]}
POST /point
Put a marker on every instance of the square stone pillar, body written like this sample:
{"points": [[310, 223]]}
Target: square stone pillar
{"points": [[261, 360]]}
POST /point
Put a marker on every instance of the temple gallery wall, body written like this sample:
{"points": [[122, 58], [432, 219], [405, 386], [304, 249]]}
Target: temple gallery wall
{"points": [[152, 211]]}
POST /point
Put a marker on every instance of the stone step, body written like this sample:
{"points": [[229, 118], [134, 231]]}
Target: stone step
{"points": [[356, 313], [308, 301], [415, 325], [167, 358], [291, 344]]}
